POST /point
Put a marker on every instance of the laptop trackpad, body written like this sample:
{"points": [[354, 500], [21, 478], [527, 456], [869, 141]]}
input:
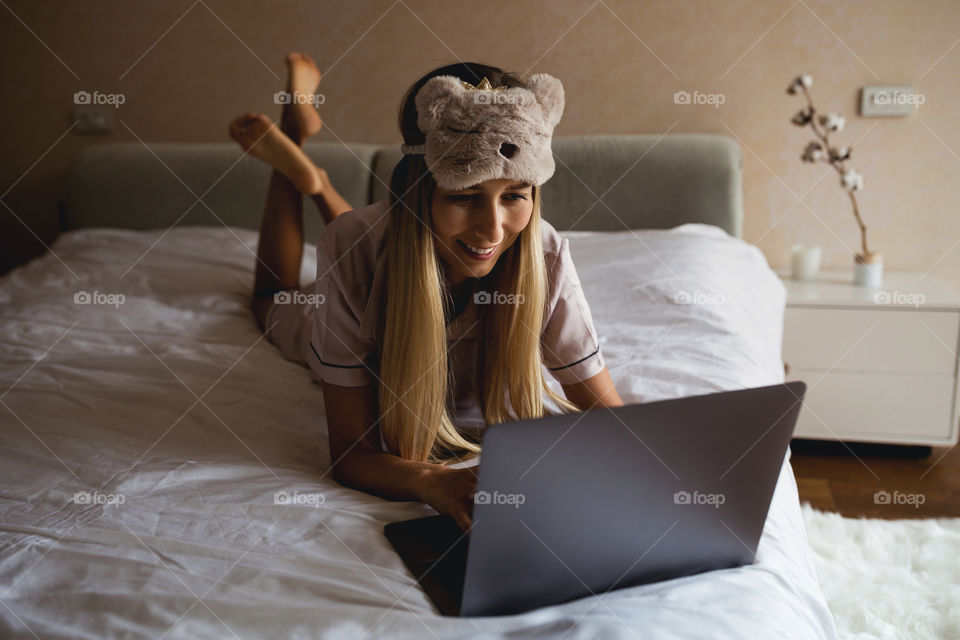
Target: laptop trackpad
{"points": [[435, 550]]}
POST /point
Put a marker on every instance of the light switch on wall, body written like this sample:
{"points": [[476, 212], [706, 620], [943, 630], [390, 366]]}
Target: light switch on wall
{"points": [[892, 100]]}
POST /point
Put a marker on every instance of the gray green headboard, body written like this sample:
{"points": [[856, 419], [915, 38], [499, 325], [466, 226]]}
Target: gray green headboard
{"points": [[602, 182]]}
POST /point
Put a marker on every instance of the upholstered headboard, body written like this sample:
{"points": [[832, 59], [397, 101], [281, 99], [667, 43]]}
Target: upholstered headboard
{"points": [[602, 182]]}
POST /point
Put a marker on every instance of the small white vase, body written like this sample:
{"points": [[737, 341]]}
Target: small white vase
{"points": [[868, 270], [805, 261]]}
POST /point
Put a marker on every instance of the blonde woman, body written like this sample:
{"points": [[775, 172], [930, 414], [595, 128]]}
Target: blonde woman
{"points": [[434, 311]]}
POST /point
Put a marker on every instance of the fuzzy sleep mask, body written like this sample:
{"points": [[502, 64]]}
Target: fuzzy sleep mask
{"points": [[478, 133]]}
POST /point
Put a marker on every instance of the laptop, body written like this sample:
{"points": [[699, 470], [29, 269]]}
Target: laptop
{"points": [[576, 505]]}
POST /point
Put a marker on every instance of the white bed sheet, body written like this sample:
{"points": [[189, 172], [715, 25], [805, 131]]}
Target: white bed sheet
{"points": [[173, 401]]}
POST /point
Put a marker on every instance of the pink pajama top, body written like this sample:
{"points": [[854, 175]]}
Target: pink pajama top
{"points": [[338, 337]]}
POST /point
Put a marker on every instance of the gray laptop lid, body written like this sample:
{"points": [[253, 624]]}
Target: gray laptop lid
{"points": [[574, 505]]}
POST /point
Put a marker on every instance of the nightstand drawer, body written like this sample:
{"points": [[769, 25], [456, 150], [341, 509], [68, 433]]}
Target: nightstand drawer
{"points": [[898, 341], [876, 407]]}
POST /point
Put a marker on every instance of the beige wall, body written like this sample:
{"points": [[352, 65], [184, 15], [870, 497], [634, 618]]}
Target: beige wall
{"points": [[620, 63]]}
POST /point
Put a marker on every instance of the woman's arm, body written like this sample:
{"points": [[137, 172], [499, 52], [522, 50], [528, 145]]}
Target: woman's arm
{"points": [[597, 391], [359, 462]]}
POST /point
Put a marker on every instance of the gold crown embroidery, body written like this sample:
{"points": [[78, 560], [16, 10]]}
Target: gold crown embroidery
{"points": [[483, 85]]}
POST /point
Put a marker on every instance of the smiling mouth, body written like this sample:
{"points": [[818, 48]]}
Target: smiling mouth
{"points": [[480, 251]]}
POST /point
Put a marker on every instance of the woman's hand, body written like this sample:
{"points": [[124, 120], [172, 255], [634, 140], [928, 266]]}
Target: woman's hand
{"points": [[450, 492]]}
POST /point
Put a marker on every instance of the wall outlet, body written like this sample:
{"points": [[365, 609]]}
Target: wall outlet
{"points": [[92, 120], [892, 100]]}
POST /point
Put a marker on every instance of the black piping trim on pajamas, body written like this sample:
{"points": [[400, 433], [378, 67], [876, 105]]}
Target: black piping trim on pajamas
{"points": [[567, 366], [330, 364]]}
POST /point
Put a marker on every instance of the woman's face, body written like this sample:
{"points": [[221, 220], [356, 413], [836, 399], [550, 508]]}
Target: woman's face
{"points": [[486, 217]]}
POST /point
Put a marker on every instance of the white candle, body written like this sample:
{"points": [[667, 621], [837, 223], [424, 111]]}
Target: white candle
{"points": [[806, 261]]}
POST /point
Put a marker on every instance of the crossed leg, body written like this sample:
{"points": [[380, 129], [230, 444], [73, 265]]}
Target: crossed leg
{"points": [[280, 247]]}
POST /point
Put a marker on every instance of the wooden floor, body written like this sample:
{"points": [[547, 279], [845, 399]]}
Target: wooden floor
{"points": [[850, 478]]}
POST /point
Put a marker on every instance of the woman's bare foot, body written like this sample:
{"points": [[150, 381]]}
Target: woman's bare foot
{"points": [[260, 138], [300, 118]]}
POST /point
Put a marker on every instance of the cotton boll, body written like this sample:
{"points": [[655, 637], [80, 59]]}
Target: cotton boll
{"points": [[832, 122], [852, 181], [802, 117], [800, 82], [812, 152], [841, 153]]}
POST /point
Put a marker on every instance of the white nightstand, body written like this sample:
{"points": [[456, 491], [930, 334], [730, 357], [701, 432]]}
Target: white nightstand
{"points": [[880, 365]]}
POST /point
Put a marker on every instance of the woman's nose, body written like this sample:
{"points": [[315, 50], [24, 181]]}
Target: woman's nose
{"points": [[490, 223]]}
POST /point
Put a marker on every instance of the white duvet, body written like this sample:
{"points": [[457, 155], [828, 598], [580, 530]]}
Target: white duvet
{"points": [[146, 435]]}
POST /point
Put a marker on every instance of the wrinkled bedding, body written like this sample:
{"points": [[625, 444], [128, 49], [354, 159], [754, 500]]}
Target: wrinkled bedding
{"points": [[164, 469]]}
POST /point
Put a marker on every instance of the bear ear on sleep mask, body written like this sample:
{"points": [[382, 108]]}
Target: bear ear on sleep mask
{"points": [[478, 133]]}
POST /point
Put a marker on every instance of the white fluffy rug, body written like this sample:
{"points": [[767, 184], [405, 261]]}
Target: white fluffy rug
{"points": [[888, 578]]}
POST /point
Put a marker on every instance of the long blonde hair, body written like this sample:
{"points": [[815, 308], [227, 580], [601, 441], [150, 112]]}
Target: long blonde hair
{"points": [[415, 376]]}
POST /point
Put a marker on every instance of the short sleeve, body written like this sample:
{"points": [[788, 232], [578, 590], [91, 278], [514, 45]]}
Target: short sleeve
{"points": [[338, 354], [571, 348]]}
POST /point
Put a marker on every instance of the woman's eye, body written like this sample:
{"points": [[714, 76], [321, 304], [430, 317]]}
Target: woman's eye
{"points": [[512, 197]]}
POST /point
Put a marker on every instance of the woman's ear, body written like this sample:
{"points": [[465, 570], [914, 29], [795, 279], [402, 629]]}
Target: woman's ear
{"points": [[432, 101], [548, 92]]}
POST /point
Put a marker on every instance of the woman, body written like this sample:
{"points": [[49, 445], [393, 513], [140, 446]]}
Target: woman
{"points": [[448, 298]]}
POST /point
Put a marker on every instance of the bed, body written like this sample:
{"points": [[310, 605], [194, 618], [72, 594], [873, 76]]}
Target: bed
{"points": [[165, 470]]}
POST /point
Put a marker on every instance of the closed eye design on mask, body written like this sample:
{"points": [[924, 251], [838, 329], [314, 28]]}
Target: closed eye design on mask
{"points": [[455, 130], [507, 149]]}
